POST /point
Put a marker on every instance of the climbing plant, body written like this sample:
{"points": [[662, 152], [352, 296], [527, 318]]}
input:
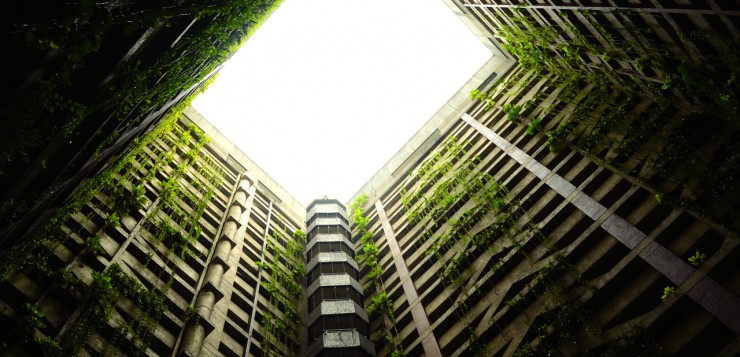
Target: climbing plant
{"points": [[72, 37], [96, 214], [286, 273], [463, 217], [454, 178], [624, 96], [379, 302]]}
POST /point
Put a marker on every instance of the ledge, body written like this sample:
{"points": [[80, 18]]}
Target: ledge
{"points": [[331, 257], [337, 307], [334, 280], [320, 205], [329, 238], [341, 339], [328, 221]]}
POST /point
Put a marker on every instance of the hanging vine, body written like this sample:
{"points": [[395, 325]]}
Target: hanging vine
{"points": [[94, 216], [626, 97], [379, 302], [455, 178], [286, 291]]}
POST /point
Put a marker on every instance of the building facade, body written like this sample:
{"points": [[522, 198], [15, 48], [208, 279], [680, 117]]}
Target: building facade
{"points": [[576, 196], [184, 248], [496, 246], [87, 79], [581, 201]]}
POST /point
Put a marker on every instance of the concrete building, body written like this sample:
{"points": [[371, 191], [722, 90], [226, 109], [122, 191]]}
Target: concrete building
{"points": [[186, 247], [582, 202], [337, 321], [84, 80], [576, 206]]}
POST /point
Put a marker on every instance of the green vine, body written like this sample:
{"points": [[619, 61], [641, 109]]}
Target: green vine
{"points": [[285, 286], [379, 302], [91, 217]]}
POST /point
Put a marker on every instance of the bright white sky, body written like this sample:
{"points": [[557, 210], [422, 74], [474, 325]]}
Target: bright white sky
{"points": [[326, 91]]}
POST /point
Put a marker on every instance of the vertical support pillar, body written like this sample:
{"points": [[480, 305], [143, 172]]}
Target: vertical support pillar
{"points": [[713, 297], [259, 279], [209, 293], [421, 321]]}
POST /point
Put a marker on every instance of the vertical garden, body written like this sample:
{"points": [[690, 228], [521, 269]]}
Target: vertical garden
{"points": [[611, 84], [82, 280], [85, 78]]}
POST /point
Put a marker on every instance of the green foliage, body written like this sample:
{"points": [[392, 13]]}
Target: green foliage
{"points": [[299, 235], [189, 313], [109, 286], [49, 233], [667, 84], [112, 220], [50, 346], [34, 316], [553, 141], [489, 105], [453, 267], [477, 94], [697, 259], [513, 113], [358, 204], [285, 286], [94, 243], [136, 198], [432, 200], [32, 319], [169, 189], [667, 292], [97, 308], [398, 352], [358, 218], [596, 104], [51, 107], [379, 302], [273, 326], [533, 126]]}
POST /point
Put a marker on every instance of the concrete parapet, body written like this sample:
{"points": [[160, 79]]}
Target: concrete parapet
{"points": [[337, 307], [328, 238], [331, 257], [334, 280], [341, 339]]}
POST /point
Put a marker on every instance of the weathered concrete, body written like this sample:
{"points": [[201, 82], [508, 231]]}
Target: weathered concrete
{"points": [[341, 339], [664, 261], [337, 307], [333, 280], [331, 257], [421, 321]]}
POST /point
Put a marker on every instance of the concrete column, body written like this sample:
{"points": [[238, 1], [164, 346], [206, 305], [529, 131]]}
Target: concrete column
{"points": [[195, 333], [214, 274], [241, 197], [235, 211], [243, 185], [421, 321], [229, 229], [193, 339], [713, 297], [223, 250], [204, 304]]}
